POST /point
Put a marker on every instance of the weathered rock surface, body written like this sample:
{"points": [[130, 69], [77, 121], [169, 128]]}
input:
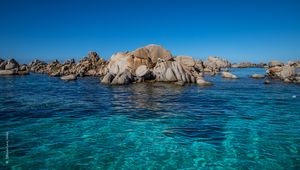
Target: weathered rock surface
{"points": [[229, 75], [173, 71], [123, 78]]}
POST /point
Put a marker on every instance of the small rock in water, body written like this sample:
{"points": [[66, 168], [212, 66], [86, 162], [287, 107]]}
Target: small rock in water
{"points": [[294, 96], [267, 82], [69, 77]]}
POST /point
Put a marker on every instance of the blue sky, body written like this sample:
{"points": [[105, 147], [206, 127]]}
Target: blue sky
{"points": [[249, 30]]}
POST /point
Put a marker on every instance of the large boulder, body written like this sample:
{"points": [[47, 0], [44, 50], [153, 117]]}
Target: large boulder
{"points": [[148, 56], [286, 73]]}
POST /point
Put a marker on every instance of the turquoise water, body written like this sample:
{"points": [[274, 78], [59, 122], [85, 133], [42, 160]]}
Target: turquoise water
{"points": [[235, 124]]}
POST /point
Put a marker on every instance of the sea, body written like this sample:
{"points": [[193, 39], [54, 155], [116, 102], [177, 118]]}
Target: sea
{"points": [[48, 123]]}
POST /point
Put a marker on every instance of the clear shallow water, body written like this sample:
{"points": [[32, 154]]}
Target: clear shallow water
{"points": [[235, 124]]}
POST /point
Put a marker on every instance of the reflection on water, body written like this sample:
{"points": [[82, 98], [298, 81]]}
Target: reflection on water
{"points": [[240, 124]]}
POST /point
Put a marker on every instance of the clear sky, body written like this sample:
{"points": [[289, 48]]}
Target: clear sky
{"points": [[240, 30]]}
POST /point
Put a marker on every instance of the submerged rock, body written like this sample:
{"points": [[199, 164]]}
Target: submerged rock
{"points": [[229, 75], [202, 82], [267, 82], [69, 77], [257, 76]]}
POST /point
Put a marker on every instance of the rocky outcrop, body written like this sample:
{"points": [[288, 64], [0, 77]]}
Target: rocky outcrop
{"points": [[214, 64], [151, 63], [12, 67], [285, 72], [228, 75], [148, 56], [91, 65]]}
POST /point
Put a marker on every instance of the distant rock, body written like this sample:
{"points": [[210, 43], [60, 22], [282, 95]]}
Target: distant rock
{"points": [[91, 65], [275, 63], [38, 66], [229, 75], [257, 76], [69, 77], [248, 65], [214, 64], [2, 65], [11, 64], [12, 67], [285, 72]]}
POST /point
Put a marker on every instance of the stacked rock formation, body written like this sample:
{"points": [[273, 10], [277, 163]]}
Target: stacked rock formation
{"points": [[12, 67], [214, 64], [151, 63], [284, 72]]}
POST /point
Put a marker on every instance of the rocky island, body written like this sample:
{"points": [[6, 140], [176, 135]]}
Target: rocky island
{"points": [[151, 63]]}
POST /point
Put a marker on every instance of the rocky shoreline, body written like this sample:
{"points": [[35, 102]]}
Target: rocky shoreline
{"points": [[151, 63]]}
